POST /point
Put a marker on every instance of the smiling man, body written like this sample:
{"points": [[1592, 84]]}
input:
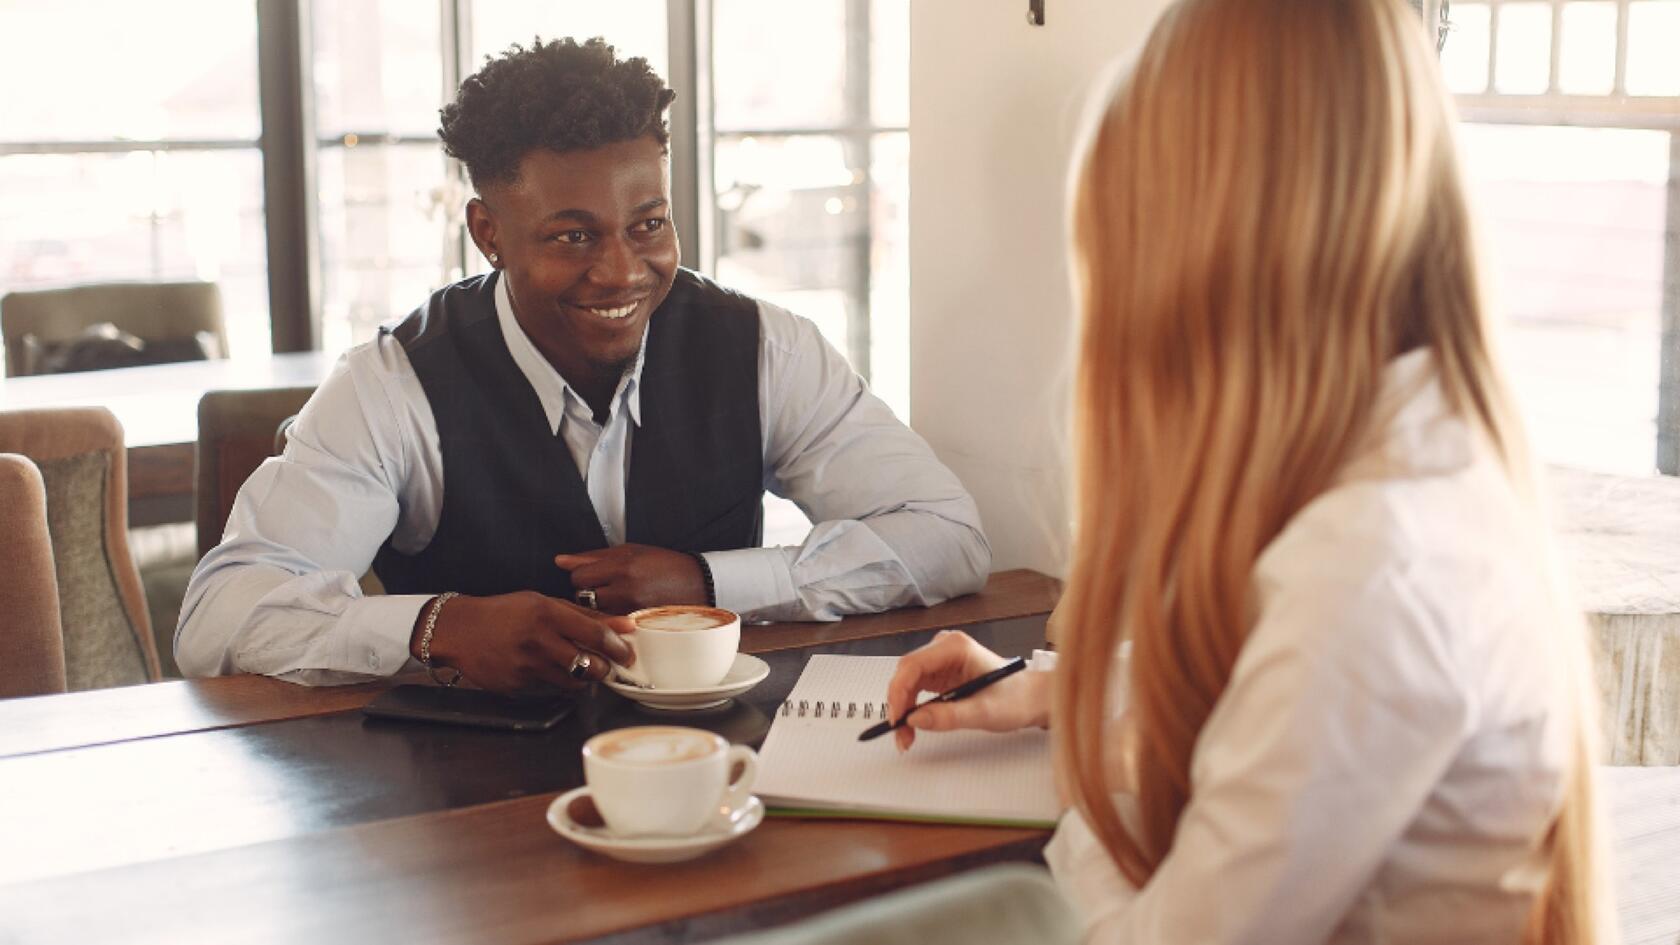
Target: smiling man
{"points": [[586, 430]]}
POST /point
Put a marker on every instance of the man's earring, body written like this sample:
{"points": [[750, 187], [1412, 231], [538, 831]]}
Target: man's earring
{"points": [[495, 260]]}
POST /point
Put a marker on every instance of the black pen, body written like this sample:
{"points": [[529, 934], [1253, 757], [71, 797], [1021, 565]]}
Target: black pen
{"points": [[961, 692]]}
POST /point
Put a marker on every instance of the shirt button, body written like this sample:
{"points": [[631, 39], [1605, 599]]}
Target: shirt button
{"points": [[373, 661]]}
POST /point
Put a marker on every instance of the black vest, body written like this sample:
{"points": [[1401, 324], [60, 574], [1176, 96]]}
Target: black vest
{"points": [[512, 495]]}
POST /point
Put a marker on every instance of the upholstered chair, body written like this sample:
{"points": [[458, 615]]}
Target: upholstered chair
{"points": [[181, 320], [994, 906], [30, 637], [105, 631], [237, 430]]}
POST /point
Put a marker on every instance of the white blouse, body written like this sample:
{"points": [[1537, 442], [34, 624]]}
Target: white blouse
{"points": [[1392, 743]]}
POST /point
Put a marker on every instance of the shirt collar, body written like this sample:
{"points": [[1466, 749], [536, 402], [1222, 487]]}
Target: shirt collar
{"points": [[552, 389], [1415, 431]]}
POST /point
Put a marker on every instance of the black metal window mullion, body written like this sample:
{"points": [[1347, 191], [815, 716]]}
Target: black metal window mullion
{"points": [[289, 180], [683, 19], [456, 34]]}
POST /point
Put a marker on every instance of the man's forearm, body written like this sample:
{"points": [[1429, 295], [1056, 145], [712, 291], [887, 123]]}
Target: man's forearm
{"points": [[315, 628], [851, 567]]}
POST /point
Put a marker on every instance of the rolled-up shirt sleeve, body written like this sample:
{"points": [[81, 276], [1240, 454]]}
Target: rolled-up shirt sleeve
{"points": [[894, 527], [280, 594]]}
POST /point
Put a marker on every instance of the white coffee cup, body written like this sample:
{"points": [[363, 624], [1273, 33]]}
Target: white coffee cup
{"points": [[681, 646], [666, 780]]}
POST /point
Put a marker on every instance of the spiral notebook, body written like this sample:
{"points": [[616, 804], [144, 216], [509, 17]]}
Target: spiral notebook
{"points": [[811, 763]]}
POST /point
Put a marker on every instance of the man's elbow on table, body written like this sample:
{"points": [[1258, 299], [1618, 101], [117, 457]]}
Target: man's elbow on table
{"points": [[195, 652], [974, 563], [954, 563], [219, 602]]}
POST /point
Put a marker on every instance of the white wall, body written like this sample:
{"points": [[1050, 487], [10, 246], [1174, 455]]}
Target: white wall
{"points": [[995, 111]]}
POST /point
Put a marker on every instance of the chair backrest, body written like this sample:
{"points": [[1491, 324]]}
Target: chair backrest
{"points": [[102, 609], [992, 906], [237, 430], [30, 633], [151, 311]]}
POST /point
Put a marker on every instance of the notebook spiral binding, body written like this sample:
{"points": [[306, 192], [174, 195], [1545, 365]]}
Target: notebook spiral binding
{"points": [[819, 709]]}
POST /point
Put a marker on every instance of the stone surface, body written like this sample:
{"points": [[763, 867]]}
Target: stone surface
{"points": [[1620, 537], [1643, 806]]}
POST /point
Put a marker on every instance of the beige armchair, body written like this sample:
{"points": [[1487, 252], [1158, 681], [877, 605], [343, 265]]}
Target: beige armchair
{"points": [[30, 635], [105, 631], [153, 312]]}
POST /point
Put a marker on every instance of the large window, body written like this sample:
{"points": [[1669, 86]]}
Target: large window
{"points": [[147, 156], [811, 170], [129, 150], [1573, 118]]}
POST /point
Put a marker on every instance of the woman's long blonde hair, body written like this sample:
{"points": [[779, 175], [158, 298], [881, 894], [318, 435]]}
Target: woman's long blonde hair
{"points": [[1269, 211]]}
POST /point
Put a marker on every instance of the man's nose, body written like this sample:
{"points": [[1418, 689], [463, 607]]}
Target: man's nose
{"points": [[617, 265]]}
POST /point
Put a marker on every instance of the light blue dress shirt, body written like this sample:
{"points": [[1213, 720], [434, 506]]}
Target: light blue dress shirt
{"points": [[280, 596]]}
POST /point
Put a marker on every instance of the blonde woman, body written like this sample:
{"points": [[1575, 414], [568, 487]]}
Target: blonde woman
{"points": [[1314, 681]]}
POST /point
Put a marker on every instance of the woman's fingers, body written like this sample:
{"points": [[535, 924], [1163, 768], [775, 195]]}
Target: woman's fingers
{"points": [[934, 667]]}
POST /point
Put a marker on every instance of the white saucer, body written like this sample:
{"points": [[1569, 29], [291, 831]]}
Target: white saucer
{"points": [[649, 849], [747, 672]]}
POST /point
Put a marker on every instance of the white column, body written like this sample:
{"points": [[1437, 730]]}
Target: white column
{"points": [[996, 107]]}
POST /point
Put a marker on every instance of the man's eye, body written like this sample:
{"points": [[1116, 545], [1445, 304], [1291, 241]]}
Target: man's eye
{"points": [[572, 237], [653, 225]]}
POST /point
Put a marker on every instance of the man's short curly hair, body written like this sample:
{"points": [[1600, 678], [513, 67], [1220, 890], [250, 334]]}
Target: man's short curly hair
{"points": [[561, 95]]}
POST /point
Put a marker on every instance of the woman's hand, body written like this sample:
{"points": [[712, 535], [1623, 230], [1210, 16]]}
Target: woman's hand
{"points": [[523, 641], [953, 658]]}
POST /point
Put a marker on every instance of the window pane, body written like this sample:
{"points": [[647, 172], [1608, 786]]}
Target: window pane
{"points": [[789, 212], [1464, 59], [378, 67], [103, 69], [797, 79], [390, 218], [143, 215], [1525, 48], [889, 61], [1653, 62], [633, 27], [1588, 66], [1574, 220]]}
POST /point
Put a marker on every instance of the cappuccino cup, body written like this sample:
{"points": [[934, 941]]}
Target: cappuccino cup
{"points": [[666, 780], [681, 646]]}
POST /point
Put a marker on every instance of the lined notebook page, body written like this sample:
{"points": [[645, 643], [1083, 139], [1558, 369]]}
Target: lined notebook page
{"points": [[817, 762]]}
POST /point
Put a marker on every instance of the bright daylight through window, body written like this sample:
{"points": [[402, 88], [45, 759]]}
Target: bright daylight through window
{"points": [[1572, 113], [1572, 149]]}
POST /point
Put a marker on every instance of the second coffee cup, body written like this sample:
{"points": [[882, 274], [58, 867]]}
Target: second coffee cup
{"points": [[681, 646], [663, 780]]}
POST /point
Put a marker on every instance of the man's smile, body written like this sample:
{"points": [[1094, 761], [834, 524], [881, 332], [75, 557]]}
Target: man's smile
{"points": [[613, 311]]}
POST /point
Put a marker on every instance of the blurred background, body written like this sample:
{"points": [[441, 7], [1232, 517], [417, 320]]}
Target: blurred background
{"points": [[143, 141]]}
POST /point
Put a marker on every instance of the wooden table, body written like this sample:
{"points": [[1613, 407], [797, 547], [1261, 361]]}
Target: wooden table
{"points": [[158, 408], [250, 809]]}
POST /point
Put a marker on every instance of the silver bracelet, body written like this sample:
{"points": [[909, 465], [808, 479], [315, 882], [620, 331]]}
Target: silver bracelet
{"points": [[426, 641]]}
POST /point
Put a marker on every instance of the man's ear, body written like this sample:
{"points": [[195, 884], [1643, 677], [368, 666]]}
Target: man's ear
{"points": [[481, 226]]}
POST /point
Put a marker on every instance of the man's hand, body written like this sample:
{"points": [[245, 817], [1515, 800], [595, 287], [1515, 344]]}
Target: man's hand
{"points": [[521, 641], [630, 577], [949, 660]]}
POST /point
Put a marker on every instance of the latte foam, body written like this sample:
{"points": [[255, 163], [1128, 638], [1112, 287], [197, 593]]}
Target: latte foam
{"points": [[655, 745], [677, 619]]}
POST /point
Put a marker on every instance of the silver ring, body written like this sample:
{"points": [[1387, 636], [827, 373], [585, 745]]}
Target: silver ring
{"points": [[581, 665], [586, 598]]}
